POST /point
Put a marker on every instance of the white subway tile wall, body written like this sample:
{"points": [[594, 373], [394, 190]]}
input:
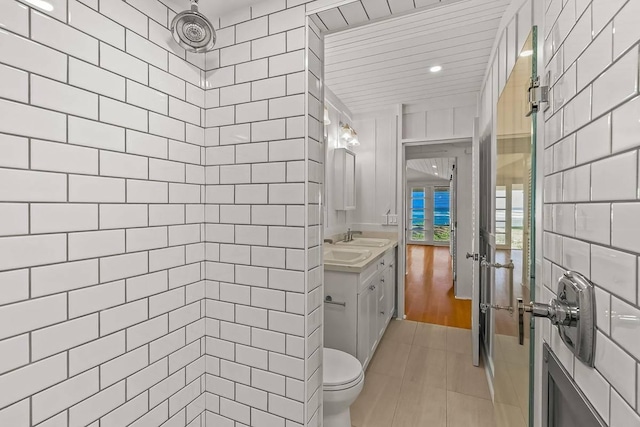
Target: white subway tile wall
{"points": [[261, 219], [591, 187], [159, 233], [102, 204], [596, 207]]}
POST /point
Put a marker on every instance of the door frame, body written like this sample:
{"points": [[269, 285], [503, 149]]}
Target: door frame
{"points": [[401, 195]]}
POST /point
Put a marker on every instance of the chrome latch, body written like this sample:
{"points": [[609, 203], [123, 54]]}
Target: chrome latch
{"points": [[573, 312], [484, 307], [474, 257], [497, 265], [537, 95]]}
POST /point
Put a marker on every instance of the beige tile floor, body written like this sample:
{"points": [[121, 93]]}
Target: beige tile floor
{"points": [[423, 375]]}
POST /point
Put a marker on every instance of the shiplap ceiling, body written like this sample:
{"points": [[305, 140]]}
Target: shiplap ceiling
{"points": [[385, 63], [362, 11], [438, 168]]}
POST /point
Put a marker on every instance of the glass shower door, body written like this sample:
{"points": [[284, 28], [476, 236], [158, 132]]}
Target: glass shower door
{"points": [[514, 255]]}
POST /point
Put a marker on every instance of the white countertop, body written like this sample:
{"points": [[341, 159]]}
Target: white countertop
{"points": [[376, 254]]}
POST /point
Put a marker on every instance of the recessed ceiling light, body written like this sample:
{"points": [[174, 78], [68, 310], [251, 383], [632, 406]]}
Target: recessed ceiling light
{"points": [[435, 68], [526, 53], [41, 4]]}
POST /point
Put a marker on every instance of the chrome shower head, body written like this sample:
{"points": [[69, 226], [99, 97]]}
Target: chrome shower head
{"points": [[193, 31]]}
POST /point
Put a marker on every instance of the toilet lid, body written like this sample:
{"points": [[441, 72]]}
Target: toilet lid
{"points": [[340, 368]]}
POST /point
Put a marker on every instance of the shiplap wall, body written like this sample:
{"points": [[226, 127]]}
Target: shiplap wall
{"points": [[440, 118], [101, 211]]}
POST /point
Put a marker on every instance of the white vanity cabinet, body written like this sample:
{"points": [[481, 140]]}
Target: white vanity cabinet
{"points": [[369, 303]]}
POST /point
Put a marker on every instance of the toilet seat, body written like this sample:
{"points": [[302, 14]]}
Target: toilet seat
{"points": [[341, 370]]}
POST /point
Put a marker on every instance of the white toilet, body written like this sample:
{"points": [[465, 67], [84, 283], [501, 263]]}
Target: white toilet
{"points": [[343, 379]]}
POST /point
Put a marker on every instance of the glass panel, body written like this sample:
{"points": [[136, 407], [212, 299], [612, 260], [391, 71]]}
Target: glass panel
{"points": [[418, 203], [417, 224], [515, 163], [417, 214], [441, 214], [417, 236]]}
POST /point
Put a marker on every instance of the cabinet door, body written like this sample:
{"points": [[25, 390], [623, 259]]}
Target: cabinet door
{"points": [[390, 291], [374, 323], [382, 302], [364, 325]]}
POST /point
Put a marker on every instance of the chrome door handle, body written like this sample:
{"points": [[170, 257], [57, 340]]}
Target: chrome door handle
{"points": [[329, 300]]}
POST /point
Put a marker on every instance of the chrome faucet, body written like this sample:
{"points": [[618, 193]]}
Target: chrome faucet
{"points": [[349, 235]]}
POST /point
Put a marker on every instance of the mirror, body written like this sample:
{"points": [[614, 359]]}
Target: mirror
{"points": [[350, 181], [344, 183]]}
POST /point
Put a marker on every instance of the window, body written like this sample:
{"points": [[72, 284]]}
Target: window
{"points": [[517, 216], [501, 215], [441, 214], [418, 205]]}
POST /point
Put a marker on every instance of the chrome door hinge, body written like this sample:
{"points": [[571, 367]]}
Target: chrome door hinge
{"points": [[537, 95]]}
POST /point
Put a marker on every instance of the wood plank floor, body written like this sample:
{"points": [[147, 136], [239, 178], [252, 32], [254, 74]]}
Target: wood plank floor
{"points": [[429, 288], [423, 375]]}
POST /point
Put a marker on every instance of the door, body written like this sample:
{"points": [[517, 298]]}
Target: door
{"points": [[453, 246], [366, 326], [510, 250], [475, 244]]}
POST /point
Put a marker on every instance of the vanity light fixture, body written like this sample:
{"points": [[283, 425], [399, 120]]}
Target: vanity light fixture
{"points": [[348, 135], [526, 53], [354, 141], [435, 68]]}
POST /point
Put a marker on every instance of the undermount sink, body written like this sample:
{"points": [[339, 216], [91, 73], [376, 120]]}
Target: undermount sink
{"points": [[345, 256], [365, 241]]}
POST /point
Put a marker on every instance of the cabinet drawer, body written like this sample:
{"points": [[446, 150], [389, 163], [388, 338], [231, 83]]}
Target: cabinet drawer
{"points": [[387, 260]]}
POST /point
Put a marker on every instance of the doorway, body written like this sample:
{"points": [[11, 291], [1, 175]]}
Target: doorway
{"points": [[431, 216]]}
